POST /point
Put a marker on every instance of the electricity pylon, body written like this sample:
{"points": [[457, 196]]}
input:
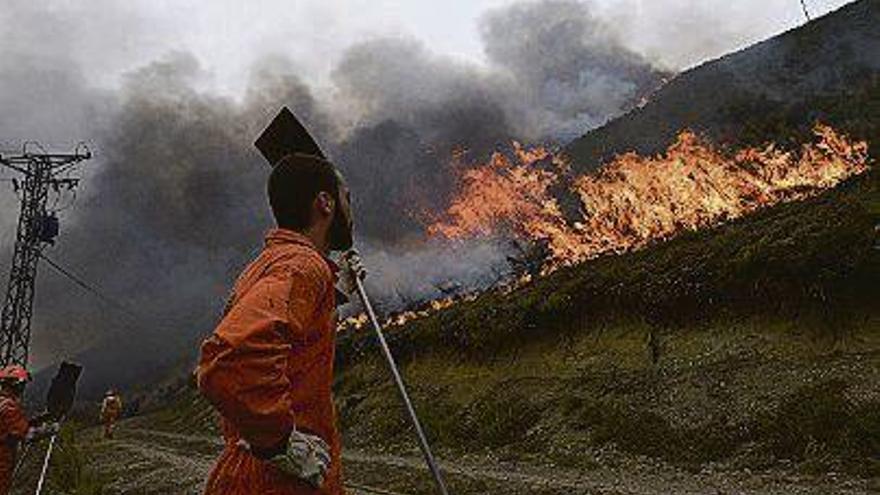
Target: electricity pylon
{"points": [[37, 228]]}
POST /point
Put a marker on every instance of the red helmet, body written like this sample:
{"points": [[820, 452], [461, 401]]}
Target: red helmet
{"points": [[14, 373]]}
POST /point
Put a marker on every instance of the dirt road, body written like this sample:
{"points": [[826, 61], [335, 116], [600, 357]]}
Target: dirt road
{"points": [[150, 462]]}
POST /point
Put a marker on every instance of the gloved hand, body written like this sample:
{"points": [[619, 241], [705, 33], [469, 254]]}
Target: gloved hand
{"points": [[306, 457], [40, 419], [43, 431], [352, 267]]}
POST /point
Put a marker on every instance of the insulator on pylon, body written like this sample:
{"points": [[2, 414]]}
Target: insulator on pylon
{"points": [[48, 228]]}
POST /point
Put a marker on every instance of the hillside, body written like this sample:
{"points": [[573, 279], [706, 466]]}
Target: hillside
{"points": [[740, 359], [762, 92]]}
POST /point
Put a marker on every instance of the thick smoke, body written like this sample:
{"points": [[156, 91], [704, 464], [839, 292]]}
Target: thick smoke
{"points": [[555, 72], [411, 110], [570, 71], [173, 206]]}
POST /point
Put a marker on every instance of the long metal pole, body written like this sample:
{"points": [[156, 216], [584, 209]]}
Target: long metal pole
{"points": [[45, 465], [20, 462], [398, 380]]}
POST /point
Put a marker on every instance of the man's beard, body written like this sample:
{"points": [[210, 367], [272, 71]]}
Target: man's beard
{"points": [[341, 238]]}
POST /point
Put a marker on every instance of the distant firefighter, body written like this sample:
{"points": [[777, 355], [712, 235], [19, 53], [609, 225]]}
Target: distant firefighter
{"points": [[111, 409], [15, 427]]}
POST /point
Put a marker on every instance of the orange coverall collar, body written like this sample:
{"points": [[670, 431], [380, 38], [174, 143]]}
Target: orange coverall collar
{"points": [[286, 236]]}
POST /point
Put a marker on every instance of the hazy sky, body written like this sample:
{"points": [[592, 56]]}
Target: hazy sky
{"points": [[112, 36]]}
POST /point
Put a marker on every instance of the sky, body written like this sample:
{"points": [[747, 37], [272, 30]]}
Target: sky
{"points": [[111, 37]]}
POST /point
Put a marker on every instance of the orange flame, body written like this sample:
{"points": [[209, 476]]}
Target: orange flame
{"points": [[634, 200], [361, 320]]}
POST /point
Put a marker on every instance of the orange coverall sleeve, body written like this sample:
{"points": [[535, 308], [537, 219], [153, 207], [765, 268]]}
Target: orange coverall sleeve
{"points": [[243, 370]]}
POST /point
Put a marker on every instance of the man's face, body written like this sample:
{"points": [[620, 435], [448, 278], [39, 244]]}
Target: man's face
{"points": [[12, 389], [341, 237]]}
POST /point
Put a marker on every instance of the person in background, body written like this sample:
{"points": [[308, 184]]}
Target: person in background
{"points": [[15, 428], [268, 366], [111, 409]]}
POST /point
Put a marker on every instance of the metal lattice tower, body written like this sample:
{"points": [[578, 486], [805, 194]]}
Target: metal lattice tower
{"points": [[37, 228]]}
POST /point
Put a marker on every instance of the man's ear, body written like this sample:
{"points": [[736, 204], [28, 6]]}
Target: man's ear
{"points": [[326, 203]]}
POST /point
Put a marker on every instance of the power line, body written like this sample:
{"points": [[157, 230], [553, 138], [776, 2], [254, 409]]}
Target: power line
{"points": [[136, 319], [806, 12], [92, 290]]}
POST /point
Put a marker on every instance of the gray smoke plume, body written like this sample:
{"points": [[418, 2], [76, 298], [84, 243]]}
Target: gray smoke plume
{"points": [[173, 205], [570, 70]]}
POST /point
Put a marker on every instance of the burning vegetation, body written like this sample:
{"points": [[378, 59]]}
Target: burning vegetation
{"points": [[397, 318], [525, 196], [635, 200]]}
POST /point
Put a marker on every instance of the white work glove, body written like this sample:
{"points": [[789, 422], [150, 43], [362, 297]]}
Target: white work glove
{"points": [[352, 268], [44, 430], [306, 457]]}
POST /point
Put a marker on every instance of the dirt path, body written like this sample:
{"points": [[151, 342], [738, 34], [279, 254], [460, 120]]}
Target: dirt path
{"points": [[149, 462]]}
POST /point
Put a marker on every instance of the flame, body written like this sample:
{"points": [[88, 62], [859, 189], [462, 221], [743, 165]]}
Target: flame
{"points": [[400, 318], [635, 200], [354, 322], [630, 202]]}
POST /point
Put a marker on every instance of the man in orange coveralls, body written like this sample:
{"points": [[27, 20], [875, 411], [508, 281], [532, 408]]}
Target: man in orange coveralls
{"points": [[111, 409], [14, 425], [268, 366]]}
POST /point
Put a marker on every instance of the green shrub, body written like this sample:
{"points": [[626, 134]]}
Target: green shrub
{"points": [[70, 469]]}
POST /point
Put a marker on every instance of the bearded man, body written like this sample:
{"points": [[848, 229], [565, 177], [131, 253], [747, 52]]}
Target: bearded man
{"points": [[268, 366]]}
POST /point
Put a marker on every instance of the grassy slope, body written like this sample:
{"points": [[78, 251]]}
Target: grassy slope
{"points": [[754, 344], [751, 344]]}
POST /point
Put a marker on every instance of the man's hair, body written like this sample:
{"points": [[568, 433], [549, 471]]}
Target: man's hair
{"points": [[294, 184]]}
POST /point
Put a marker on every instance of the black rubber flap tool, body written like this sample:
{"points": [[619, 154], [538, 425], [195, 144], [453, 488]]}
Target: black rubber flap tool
{"points": [[284, 136]]}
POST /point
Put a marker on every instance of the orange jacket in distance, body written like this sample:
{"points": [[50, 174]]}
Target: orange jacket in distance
{"points": [[111, 408], [13, 428], [268, 366]]}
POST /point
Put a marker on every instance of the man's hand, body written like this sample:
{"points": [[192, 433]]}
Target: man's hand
{"points": [[41, 418], [45, 430], [306, 457], [352, 269]]}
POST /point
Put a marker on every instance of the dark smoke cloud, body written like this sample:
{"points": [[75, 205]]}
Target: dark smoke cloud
{"points": [[173, 205], [413, 109], [570, 70], [168, 213], [448, 104]]}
